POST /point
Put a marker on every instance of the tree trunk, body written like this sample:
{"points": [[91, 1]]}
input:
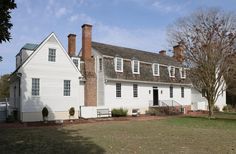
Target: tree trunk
{"points": [[211, 108]]}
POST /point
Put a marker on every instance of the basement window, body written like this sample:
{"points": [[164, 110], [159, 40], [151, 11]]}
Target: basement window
{"points": [[118, 64]]}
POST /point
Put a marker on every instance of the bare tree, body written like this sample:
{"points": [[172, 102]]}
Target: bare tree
{"points": [[209, 39]]}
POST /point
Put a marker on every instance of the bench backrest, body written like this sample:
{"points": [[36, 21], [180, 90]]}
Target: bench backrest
{"points": [[103, 111]]}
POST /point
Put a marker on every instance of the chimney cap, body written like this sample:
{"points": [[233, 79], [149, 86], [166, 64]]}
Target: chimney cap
{"points": [[87, 25], [71, 35]]}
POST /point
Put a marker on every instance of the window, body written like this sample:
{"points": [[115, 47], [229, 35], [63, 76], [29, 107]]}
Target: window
{"points": [[182, 92], [171, 71], [155, 68], [35, 86], [182, 73], [52, 55], [135, 66], [135, 90], [171, 91], [118, 89], [75, 61], [66, 87], [118, 64], [100, 64]]}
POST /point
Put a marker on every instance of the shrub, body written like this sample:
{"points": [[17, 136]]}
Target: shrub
{"points": [[119, 112], [153, 112], [228, 108], [45, 113], [10, 118], [72, 111], [216, 108]]}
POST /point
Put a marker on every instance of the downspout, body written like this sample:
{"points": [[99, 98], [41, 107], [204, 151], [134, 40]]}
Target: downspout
{"points": [[20, 105]]}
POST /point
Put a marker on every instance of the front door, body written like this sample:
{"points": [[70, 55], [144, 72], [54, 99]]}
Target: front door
{"points": [[155, 97]]}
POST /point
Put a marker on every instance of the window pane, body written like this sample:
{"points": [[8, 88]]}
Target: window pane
{"points": [[100, 64], [75, 61], [171, 92], [135, 65], [182, 92], [35, 86], [135, 90], [118, 64], [118, 89], [156, 69], [66, 87], [52, 55]]}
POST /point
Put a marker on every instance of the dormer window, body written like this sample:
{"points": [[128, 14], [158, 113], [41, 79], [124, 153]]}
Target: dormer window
{"points": [[182, 73], [135, 66], [118, 64], [76, 61], [171, 70], [155, 69]]}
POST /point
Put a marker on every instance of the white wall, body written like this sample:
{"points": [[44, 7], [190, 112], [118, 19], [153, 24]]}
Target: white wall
{"points": [[144, 98], [198, 99], [52, 76]]}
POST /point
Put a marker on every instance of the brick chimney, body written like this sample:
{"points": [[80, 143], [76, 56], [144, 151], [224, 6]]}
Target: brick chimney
{"points": [[162, 52], [86, 41], [90, 89], [179, 52], [71, 44]]}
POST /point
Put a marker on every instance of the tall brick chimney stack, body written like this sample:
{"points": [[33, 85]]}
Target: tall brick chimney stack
{"points": [[86, 41], [162, 52], [179, 52], [90, 89], [71, 44]]}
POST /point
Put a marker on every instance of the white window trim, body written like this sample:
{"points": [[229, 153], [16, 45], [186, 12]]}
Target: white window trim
{"points": [[78, 61], [181, 75], [121, 64], [153, 69], [169, 68], [133, 67]]}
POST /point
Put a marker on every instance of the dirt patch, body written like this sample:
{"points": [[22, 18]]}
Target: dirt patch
{"points": [[80, 121]]}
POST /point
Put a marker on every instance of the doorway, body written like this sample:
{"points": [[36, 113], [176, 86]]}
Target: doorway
{"points": [[155, 97]]}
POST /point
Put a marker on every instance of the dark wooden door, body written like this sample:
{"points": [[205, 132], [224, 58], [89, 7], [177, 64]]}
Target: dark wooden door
{"points": [[155, 97]]}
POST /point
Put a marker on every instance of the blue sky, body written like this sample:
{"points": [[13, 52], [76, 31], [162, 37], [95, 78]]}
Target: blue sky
{"points": [[137, 24]]}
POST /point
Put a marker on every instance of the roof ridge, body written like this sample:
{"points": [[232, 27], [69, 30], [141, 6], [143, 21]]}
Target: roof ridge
{"points": [[126, 47]]}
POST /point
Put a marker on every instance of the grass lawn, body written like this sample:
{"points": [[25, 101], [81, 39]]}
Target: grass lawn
{"points": [[171, 135]]}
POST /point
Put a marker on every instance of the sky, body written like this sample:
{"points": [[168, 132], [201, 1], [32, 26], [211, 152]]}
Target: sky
{"points": [[139, 24]]}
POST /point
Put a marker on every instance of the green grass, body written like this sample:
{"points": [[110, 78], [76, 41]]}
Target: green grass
{"points": [[172, 135]]}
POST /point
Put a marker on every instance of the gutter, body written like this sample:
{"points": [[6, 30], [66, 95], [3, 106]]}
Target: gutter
{"points": [[147, 82]]}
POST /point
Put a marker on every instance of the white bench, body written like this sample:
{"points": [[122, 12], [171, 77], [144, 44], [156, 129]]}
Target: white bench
{"points": [[135, 112], [103, 112]]}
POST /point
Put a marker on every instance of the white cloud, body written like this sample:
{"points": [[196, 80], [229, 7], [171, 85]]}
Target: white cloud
{"points": [[166, 7], [83, 18], [62, 11]]}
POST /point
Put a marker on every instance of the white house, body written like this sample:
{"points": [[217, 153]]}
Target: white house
{"points": [[101, 76]]}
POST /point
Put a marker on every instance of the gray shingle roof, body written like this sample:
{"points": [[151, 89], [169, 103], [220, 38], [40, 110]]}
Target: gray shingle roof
{"points": [[146, 72], [30, 46], [128, 53]]}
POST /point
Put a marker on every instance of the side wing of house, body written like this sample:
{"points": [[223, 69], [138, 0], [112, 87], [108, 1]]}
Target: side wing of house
{"points": [[49, 79]]}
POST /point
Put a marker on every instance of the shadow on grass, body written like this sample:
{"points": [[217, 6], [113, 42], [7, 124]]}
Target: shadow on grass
{"points": [[213, 119], [46, 140]]}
